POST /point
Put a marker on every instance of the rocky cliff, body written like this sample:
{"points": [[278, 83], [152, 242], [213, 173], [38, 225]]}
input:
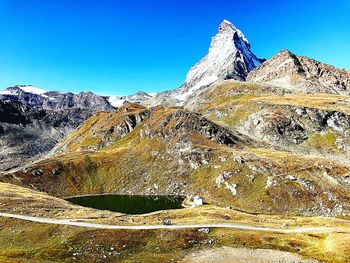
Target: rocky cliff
{"points": [[26, 134]]}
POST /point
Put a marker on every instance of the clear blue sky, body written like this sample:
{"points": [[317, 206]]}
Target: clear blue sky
{"points": [[120, 47]]}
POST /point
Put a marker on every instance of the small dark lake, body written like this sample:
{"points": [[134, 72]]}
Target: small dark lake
{"points": [[128, 204]]}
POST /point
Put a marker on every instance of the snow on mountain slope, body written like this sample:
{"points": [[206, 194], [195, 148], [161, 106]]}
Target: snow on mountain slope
{"points": [[207, 80], [32, 89], [24, 88], [139, 97], [7, 92], [116, 101]]}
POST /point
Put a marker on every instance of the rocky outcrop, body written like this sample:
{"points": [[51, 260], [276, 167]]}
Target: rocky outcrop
{"points": [[294, 124], [120, 130], [157, 123], [181, 123], [301, 74]]}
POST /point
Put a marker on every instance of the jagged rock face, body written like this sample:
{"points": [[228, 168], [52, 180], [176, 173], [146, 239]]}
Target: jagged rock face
{"points": [[187, 122], [13, 112], [301, 74], [81, 100], [289, 125], [229, 57], [26, 134], [36, 98]]}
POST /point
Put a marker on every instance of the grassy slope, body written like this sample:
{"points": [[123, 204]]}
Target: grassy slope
{"points": [[65, 244], [34, 242], [232, 104], [231, 96], [173, 161], [135, 164]]}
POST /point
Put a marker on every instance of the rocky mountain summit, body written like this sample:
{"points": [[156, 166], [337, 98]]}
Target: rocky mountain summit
{"points": [[302, 74]]}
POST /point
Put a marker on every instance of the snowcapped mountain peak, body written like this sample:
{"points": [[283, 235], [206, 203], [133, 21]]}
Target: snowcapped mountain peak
{"points": [[226, 22], [139, 97], [229, 57], [227, 27]]}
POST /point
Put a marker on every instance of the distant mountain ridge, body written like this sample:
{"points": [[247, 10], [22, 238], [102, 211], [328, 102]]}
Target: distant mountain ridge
{"points": [[34, 120], [138, 97], [38, 98]]}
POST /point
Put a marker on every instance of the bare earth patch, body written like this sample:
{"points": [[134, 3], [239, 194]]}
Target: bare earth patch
{"points": [[244, 255]]}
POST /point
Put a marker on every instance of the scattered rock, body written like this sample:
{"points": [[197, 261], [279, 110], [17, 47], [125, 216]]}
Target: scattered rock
{"points": [[204, 230]]}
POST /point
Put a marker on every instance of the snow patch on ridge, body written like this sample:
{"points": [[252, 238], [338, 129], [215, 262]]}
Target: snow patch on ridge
{"points": [[32, 89], [239, 32], [290, 60], [8, 92], [116, 101], [207, 80], [27, 89]]}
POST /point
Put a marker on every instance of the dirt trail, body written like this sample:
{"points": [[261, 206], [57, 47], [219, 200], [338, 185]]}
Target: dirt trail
{"points": [[74, 222]]}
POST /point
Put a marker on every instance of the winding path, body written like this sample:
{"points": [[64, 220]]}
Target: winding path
{"points": [[71, 222]]}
